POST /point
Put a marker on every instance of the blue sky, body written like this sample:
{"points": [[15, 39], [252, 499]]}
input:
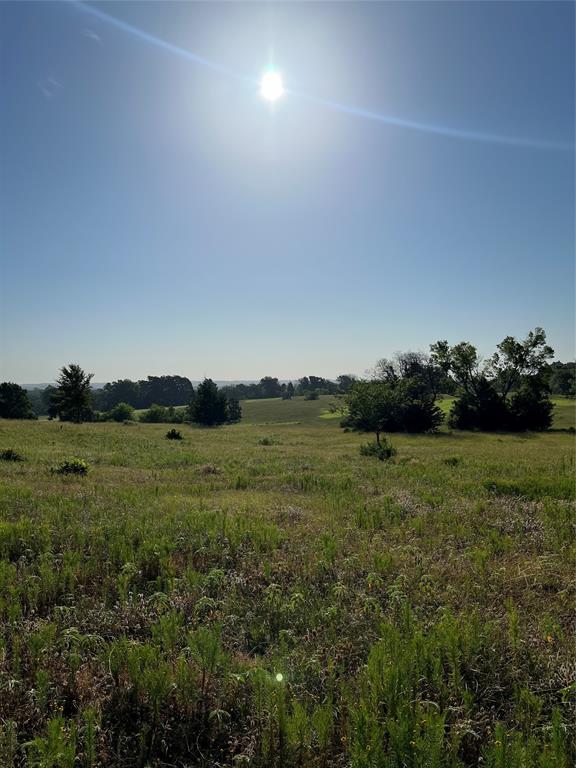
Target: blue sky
{"points": [[159, 217]]}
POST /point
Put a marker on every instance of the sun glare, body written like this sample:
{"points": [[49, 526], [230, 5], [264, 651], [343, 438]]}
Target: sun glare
{"points": [[271, 87]]}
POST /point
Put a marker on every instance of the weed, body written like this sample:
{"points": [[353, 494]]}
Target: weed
{"points": [[11, 455], [382, 450], [73, 466]]}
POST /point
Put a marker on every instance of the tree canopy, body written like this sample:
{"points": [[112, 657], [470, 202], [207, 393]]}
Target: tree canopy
{"points": [[509, 391], [14, 402], [209, 406], [72, 397]]}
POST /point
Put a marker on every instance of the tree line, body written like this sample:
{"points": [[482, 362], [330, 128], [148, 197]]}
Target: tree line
{"points": [[510, 391], [73, 399]]}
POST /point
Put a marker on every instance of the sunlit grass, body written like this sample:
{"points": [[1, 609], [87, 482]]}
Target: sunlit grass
{"points": [[262, 594]]}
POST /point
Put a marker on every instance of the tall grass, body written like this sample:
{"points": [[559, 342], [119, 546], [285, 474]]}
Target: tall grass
{"points": [[216, 601]]}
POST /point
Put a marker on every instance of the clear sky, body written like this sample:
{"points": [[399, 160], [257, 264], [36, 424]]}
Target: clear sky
{"points": [[159, 217]]}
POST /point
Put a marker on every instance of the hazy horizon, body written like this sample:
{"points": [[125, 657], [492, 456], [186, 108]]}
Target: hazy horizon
{"points": [[414, 183]]}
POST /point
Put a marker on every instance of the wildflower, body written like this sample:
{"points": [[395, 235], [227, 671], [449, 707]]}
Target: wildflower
{"points": [[550, 639], [498, 743]]}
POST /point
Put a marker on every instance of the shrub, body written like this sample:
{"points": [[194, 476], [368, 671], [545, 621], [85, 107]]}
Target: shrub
{"points": [[173, 434], [156, 414], [122, 412], [73, 466], [10, 455], [482, 410], [531, 408], [267, 441], [311, 396], [382, 450]]}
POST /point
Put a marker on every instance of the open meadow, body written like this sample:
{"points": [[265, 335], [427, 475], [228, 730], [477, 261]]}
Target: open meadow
{"points": [[263, 595]]}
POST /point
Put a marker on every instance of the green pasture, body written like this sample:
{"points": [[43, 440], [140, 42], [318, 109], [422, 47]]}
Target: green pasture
{"points": [[263, 595]]}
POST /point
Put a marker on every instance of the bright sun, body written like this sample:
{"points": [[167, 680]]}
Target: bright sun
{"points": [[271, 87]]}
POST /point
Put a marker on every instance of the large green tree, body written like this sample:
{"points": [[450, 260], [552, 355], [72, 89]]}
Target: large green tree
{"points": [[509, 391], [14, 402], [562, 379], [390, 406], [209, 406], [73, 394]]}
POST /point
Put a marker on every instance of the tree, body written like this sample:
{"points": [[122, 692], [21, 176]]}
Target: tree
{"points": [[391, 406], [373, 406], [316, 384], [562, 379], [14, 402], [345, 382], [530, 406], [121, 391], [166, 390], [209, 405], [417, 366], [48, 401], [509, 391], [234, 411], [72, 397], [515, 360], [270, 387], [289, 392]]}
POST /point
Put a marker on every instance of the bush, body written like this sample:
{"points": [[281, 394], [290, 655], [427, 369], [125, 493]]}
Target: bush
{"points": [[482, 410], [267, 441], [121, 412], [10, 455], [173, 434], [73, 466], [311, 396], [156, 414], [382, 450], [531, 409]]}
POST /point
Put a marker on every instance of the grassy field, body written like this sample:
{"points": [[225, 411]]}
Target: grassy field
{"points": [[262, 595]]}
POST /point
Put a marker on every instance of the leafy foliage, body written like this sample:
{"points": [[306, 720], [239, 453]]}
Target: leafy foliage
{"points": [[73, 466], [233, 411], [509, 392], [160, 390], [9, 454], [173, 434], [391, 406], [209, 407], [121, 412], [14, 402], [72, 398], [160, 414], [382, 450], [562, 379]]}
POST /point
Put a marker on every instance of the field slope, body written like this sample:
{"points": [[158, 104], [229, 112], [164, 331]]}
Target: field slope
{"points": [[263, 595]]}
